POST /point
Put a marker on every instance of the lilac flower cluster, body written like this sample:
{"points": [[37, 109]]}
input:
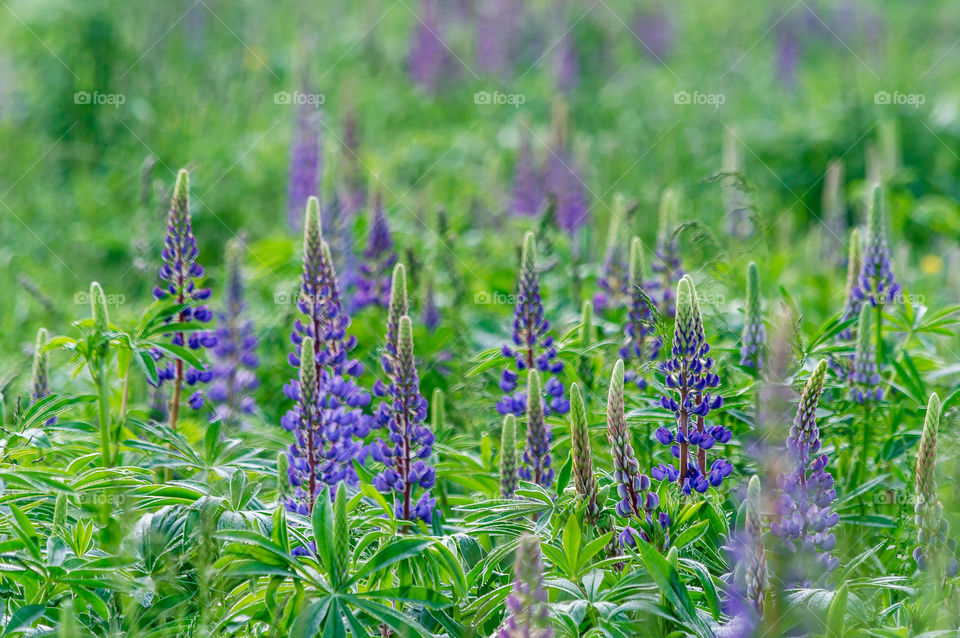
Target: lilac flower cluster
{"points": [[235, 359], [429, 60], [666, 258], [373, 282], [182, 273], [327, 421], [689, 376], [641, 344], [565, 187], [748, 582], [410, 441], [533, 346], [528, 613], [807, 491]]}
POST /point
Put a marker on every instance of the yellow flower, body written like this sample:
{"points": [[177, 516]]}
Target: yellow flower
{"points": [[931, 264]]}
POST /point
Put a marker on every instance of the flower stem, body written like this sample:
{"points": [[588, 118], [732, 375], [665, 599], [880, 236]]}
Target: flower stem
{"points": [[104, 413]]}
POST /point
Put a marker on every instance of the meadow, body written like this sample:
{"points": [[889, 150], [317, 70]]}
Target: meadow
{"points": [[479, 318]]}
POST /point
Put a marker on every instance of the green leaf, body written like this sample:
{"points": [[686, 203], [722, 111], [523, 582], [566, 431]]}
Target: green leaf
{"points": [[690, 534], [21, 619], [591, 549], [393, 552], [411, 594], [668, 581], [310, 618], [836, 613], [322, 520], [571, 541], [563, 477]]}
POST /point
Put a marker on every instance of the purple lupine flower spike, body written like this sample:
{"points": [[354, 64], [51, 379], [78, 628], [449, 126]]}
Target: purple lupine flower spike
{"points": [[429, 60], [666, 258], [689, 380], [533, 346], [407, 454], [528, 194], [754, 333], [583, 478], [39, 377], [373, 283], [329, 434], [631, 484], [536, 457], [235, 357], [498, 29], [865, 373], [614, 284], [654, 29], [641, 343], [936, 552], [397, 307], [528, 615], [431, 312], [182, 273], [876, 282], [563, 181], [353, 194], [508, 457], [305, 163], [807, 493], [566, 65]]}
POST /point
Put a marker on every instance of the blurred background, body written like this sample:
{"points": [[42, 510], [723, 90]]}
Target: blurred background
{"points": [[442, 105]]}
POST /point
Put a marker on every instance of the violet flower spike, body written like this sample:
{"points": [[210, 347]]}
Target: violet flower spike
{"points": [[305, 164], [536, 457], [804, 506], [373, 281], [641, 343], [533, 347], [936, 553], [865, 374], [528, 197], [689, 378], [876, 282], [182, 273], [666, 258], [614, 284], [328, 435], [851, 307], [527, 612], [583, 478], [407, 453], [235, 358]]}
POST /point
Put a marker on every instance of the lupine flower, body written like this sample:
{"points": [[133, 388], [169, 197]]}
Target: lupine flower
{"points": [[431, 312], [235, 358], [407, 455], [40, 381], [373, 283], [562, 178], [438, 411], [533, 347], [528, 613], [755, 573], [654, 31], [626, 470], [851, 308], [935, 552], [566, 66], [754, 333], [353, 194], [666, 257], [182, 273], [305, 163], [536, 456], [328, 433], [639, 346], [508, 457], [807, 491], [865, 374], [789, 51], [429, 60], [528, 189], [583, 478], [498, 25], [747, 583], [398, 307], [689, 376], [876, 282], [614, 284]]}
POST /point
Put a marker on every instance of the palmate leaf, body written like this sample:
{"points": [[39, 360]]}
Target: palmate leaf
{"points": [[668, 581], [21, 619], [393, 552], [48, 407]]}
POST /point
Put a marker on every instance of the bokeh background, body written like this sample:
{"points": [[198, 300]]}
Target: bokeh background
{"points": [[102, 101]]}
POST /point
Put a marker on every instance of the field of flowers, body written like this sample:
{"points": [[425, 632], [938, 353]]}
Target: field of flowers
{"points": [[478, 318]]}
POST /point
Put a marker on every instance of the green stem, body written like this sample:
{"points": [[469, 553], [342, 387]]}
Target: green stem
{"points": [[861, 471], [104, 409]]}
